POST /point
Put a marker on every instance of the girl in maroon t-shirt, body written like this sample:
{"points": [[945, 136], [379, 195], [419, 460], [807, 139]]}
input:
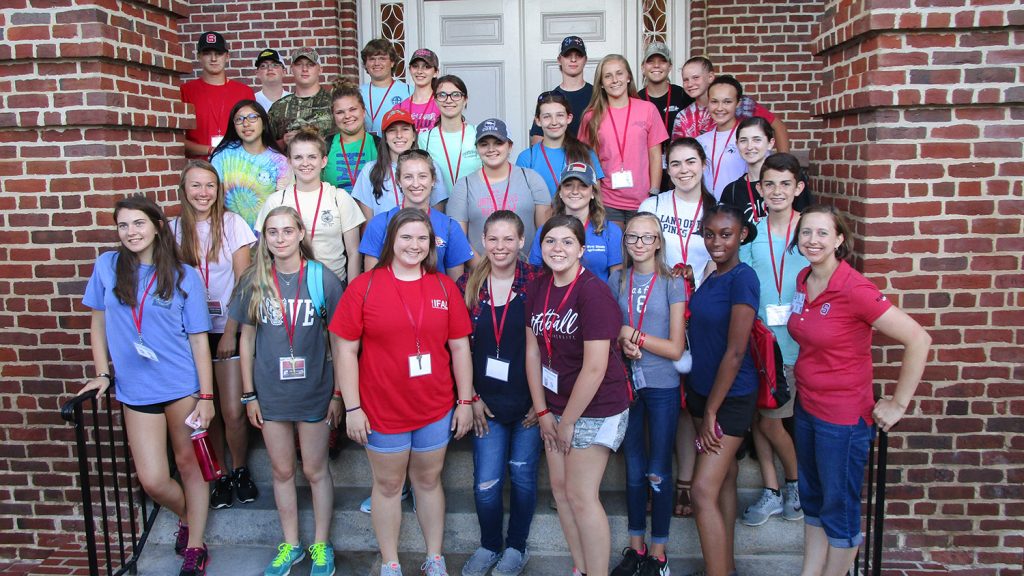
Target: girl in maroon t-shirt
{"points": [[578, 385]]}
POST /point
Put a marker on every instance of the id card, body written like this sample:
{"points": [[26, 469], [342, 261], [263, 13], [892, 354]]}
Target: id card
{"points": [[664, 162], [638, 376], [146, 352], [419, 365], [622, 179], [497, 368], [215, 140], [549, 378], [799, 299], [292, 368], [778, 314], [215, 308]]}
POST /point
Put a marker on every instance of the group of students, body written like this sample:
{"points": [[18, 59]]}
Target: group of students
{"points": [[455, 293]]}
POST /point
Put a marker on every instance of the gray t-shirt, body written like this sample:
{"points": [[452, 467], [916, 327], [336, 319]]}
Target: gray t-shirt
{"points": [[302, 400], [658, 372], [471, 202]]}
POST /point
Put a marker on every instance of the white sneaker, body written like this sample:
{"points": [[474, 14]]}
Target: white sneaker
{"points": [[770, 504]]}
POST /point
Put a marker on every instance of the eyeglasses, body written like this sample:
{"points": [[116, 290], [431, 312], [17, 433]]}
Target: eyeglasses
{"points": [[270, 65], [252, 117], [453, 96], [646, 239]]}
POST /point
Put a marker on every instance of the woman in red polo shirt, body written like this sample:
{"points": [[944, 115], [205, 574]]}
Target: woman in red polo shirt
{"points": [[833, 313]]}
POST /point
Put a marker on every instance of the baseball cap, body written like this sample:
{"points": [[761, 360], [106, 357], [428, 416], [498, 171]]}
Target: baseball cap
{"points": [[573, 43], [307, 52], [657, 48], [492, 127], [211, 41], [427, 55], [267, 54], [580, 171], [396, 115]]}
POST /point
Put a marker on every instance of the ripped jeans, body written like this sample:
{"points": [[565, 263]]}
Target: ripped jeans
{"points": [[517, 449], [650, 437]]}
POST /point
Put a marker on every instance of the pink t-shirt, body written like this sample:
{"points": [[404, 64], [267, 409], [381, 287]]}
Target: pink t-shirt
{"points": [[425, 116], [645, 130]]}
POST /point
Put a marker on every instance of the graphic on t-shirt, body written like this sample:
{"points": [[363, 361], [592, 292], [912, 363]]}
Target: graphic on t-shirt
{"points": [[327, 217], [549, 320], [485, 204], [270, 311], [669, 226]]}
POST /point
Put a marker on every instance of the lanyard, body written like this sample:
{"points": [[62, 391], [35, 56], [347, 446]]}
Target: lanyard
{"points": [[298, 208], [753, 205], [499, 328], [684, 246], [142, 304], [549, 327], [369, 92], [206, 274], [643, 309], [508, 183], [782, 261], [458, 166], [668, 104], [359, 158], [291, 313], [621, 143], [554, 177], [714, 147], [416, 324]]}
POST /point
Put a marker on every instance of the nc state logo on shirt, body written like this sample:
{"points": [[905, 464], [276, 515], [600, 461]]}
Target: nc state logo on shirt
{"points": [[825, 308]]}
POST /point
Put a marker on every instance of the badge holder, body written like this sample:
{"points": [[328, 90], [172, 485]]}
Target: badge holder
{"points": [[145, 351], [798, 302], [777, 315], [549, 378], [215, 308], [419, 365], [292, 367], [622, 179], [497, 368]]}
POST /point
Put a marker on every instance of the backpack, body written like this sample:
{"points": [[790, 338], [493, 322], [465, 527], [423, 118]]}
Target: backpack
{"points": [[315, 287], [772, 389]]}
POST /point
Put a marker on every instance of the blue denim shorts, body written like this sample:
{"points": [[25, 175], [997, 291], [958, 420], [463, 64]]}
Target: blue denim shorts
{"points": [[831, 460], [431, 437]]}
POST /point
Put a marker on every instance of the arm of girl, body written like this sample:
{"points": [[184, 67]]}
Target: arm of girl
{"points": [[351, 239], [895, 324], [671, 347], [741, 322], [357, 426], [205, 410], [595, 364], [240, 260], [654, 167], [246, 353], [100, 357], [370, 261], [335, 407], [548, 433], [462, 368], [455, 272]]}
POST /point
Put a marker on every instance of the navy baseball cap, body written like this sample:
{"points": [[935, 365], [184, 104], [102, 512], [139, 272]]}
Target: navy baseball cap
{"points": [[573, 43], [494, 128], [583, 172]]}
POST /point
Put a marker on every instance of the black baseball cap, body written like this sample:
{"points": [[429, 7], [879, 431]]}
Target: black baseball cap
{"points": [[211, 41], [268, 54], [570, 43]]}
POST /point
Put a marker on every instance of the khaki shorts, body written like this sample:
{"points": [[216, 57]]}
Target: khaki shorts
{"points": [[786, 410]]}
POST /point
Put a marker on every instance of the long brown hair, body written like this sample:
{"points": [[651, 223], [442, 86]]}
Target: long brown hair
{"points": [[483, 270], [660, 267], [258, 278], [574, 150], [599, 99], [382, 169], [169, 270], [401, 218], [597, 212], [693, 144], [191, 251]]}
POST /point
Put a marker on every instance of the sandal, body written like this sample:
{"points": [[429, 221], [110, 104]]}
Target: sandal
{"points": [[683, 507]]}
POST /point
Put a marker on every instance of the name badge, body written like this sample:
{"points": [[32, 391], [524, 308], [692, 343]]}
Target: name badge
{"points": [[146, 352], [292, 368], [419, 365], [798, 302], [215, 140], [778, 315], [497, 368], [214, 307], [639, 382], [622, 179], [549, 378]]}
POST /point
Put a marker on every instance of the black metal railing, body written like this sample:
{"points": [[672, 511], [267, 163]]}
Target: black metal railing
{"points": [[875, 532], [109, 487]]}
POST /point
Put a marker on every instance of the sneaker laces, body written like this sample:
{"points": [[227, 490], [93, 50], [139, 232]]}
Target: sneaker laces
{"points": [[318, 553], [434, 566], [764, 500], [284, 555], [191, 556]]}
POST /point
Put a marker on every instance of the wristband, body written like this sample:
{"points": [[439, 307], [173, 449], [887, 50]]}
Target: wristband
{"points": [[476, 397], [336, 394], [352, 409], [205, 396], [640, 341], [467, 402], [543, 412], [247, 399], [104, 375]]}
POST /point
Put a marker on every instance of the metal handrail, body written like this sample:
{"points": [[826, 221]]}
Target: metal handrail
{"points": [[877, 470], [119, 469]]}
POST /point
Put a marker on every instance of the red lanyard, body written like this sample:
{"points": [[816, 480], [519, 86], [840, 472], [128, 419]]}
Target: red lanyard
{"points": [[508, 182], [499, 328], [668, 103], [416, 324], [621, 143], [782, 261], [295, 192], [684, 247], [714, 147], [554, 177], [291, 313], [137, 317], [753, 205], [369, 92], [458, 166], [359, 158], [206, 275], [643, 309], [548, 328]]}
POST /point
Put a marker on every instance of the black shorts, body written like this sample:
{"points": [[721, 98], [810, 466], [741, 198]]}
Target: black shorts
{"points": [[215, 337], [734, 415], [157, 408]]}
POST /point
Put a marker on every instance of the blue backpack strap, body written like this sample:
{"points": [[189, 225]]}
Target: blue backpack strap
{"points": [[315, 287]]}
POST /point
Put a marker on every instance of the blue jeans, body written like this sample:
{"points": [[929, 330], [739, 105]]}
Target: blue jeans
{"points": [[518, 449], [650, 437], [831, 459]]}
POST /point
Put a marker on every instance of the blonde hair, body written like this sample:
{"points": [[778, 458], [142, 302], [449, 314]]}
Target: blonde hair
{"points": [[660, 266], [483, 270], [599, 99], [259, 278], [597, 215], [190, 248]]}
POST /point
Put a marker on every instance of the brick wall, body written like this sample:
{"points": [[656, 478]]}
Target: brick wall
{"points": [[88, 113], [921, 145]]}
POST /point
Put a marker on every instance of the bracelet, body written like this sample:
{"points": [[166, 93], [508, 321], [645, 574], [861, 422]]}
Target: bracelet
{"points": [[352, 409], [640, 341], [335, 398], [336, 393], [249, 394], [467, 402], [636, 336], [205, 396], [543, 412], [476, 397], [104, 375], [247, 399]]}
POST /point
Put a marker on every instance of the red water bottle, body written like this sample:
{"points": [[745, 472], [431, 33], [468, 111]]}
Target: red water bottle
{"points": [[206, 457]]}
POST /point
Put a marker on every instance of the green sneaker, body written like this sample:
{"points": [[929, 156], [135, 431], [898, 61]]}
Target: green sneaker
{"points": [[287, 556], [322, 555]]}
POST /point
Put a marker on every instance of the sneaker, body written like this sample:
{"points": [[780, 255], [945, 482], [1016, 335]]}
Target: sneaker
{"points": [[195, 561], [221, 497], [245, 489], [434, 566], [364, 507], [654, 567], [390, 569], [631, 563], [287, 556], [322, 555], [180, 539], [480, 562], [770, 504], [512, 562], [791, 509]]}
